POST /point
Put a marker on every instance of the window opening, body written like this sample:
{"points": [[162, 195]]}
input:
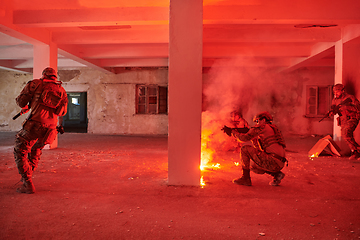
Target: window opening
{"points": [[318, 100], [151, 99]]}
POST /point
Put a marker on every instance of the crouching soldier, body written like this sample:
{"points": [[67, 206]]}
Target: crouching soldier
{"points": [[47, 100], [267, 152]]}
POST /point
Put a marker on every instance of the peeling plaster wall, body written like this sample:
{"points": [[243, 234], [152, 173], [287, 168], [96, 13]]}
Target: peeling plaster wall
{"points": [[351, 73], [296, 121], [11, 84], [111, 100], [255, 90]]}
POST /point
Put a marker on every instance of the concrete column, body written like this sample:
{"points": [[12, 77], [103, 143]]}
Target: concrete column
{"points": [[45, 56], [339, 46], [351, 70], [185, 92]]}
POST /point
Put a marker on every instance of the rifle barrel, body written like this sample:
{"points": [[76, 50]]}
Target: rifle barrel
{"points": [[16, 116]]}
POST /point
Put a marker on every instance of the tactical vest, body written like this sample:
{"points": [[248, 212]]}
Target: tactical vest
{"points": [[276, 138], [49, 94]]}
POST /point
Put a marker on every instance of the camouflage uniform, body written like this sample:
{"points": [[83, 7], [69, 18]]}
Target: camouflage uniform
{"points": [[38, 130], [348, 109], [267, 151], [262, 161]]}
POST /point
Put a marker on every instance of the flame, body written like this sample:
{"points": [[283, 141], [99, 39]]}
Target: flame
{"points": [[202, 182], [314, 156], [206, 152]]}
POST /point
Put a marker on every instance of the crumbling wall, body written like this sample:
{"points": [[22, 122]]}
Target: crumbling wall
{"points": [[253, 90], [351, 73], [110, 103], [111, 98], [11, 83]]}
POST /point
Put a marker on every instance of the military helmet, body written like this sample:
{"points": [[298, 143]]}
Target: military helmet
{"points": [[339, 87], [263, 115], [49, 73]]}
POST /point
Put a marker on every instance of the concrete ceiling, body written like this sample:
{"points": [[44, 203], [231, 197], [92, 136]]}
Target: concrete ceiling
{"points": [[111, 34]]}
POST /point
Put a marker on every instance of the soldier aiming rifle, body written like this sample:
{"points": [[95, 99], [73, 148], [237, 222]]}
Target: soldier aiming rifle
{"points": [[347, 107], [335, 109], [267, 153]]}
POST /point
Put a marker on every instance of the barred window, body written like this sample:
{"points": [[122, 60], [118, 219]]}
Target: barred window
{"points": [[318, 100], [151, 99]]}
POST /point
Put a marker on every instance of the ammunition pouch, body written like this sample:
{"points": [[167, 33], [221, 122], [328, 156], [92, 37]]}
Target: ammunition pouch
{"points": [[28, 125], [282, 159], [50, 136], [34, 126]]}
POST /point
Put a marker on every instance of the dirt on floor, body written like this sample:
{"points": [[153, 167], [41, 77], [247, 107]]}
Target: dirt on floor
{"points": [[115, 187]]}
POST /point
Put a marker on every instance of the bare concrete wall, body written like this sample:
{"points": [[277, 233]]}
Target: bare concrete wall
{"points": [[351, 73], [111, 100], [318, 76], [254, 90], [110, 103], [11, 84]]}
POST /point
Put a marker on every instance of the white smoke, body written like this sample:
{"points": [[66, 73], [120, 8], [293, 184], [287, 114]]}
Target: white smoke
{"points": [[249, 90]]}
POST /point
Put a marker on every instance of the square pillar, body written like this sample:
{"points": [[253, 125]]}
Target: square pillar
{"points": [[339, 46], [185, 92], [45, 56], [351, 70]]}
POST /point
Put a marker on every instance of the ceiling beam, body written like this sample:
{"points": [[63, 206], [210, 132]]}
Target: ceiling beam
{"points": [[267, 33], [284, 11], [135, 62], [351, 32], [119, 50], [89, 63], [134, 34], [91, 17], [319, 51], [256, 50]]}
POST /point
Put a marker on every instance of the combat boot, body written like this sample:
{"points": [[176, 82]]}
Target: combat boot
{"points": [[278, 176], [354, 155], [27, 187], [245, 179]]}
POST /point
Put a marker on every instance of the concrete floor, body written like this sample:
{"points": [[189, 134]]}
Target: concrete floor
{"points": [[115, 187]]}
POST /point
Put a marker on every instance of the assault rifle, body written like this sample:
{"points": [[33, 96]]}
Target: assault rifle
{"points": [[228, 130], [17, 115], [335, 109], [59, 128]]}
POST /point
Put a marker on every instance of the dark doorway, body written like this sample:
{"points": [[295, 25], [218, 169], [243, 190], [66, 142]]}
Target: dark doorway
{"points": [[75, 119]]}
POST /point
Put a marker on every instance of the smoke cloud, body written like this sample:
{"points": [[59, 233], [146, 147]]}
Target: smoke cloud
{"points": [[249, 90]]}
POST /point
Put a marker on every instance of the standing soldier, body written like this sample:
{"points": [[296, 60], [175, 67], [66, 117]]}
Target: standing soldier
{"points": [[47, 100], [267, 153], [348, 109]]}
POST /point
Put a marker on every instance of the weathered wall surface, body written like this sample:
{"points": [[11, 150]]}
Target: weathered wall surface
{"points": [[351, 73], [297, 123], [111, 99], [256, 90], [11, 84]]}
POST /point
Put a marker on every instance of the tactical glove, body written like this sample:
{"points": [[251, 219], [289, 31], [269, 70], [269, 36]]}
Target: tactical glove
{"points": [[227, 130]]}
